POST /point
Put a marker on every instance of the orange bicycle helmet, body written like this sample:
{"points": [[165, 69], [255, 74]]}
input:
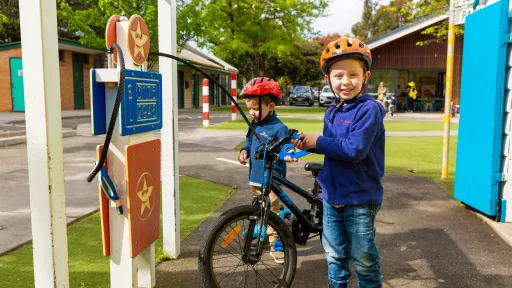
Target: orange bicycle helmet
{"points": [[343, 47]]}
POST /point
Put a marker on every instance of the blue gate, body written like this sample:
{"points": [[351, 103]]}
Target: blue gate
{"points": [[479, 147]]}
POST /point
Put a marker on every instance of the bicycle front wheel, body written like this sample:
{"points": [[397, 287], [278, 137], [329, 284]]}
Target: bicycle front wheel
{"points": [[222, 262]]}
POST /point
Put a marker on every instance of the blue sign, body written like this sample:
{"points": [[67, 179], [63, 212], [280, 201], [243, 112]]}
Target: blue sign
{"points": [[141, 106], [98, 109]]}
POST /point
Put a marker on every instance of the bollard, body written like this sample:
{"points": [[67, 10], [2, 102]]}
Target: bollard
{"points": [[206, 103], [233, 93]]}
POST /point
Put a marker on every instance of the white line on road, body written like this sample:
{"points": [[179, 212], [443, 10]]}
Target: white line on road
{"points": [[231, 161]]}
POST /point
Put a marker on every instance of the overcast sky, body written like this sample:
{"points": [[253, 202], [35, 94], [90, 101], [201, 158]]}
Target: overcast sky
{"points": [[342, 14]]}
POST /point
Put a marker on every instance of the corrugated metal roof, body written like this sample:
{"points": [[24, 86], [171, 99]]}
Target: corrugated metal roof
{"points": [[405, 30], [212, 57], [198, 60]]}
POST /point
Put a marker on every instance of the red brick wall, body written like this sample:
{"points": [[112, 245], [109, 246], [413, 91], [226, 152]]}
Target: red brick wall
{"points": [[67, 101], [66, 80], [5, 79]]}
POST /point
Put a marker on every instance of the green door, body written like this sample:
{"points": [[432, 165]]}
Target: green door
{"points": [[195, 99], [17, 92], [181, 90], [78, 80]]}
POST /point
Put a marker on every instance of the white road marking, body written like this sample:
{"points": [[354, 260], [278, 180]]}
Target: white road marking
{"points": [[231, 161]]}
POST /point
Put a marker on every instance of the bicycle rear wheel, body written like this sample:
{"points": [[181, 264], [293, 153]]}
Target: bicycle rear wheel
{"points": [[221, 258]]}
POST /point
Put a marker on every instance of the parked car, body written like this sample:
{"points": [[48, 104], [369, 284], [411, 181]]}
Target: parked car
{"points": [[302, 95], [326, 96]]}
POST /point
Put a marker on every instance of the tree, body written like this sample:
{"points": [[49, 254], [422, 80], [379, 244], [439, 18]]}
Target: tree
{"points": [[384, 19], [420, 9], [324, 40], [255, 34], [86, 20], [9, 21], [362, 29]]}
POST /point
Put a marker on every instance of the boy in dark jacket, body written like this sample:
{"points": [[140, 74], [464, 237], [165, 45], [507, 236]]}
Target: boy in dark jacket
{"points": [[261, 95], [353, 145]]}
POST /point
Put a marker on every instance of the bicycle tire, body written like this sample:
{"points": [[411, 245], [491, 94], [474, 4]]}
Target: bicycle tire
{"points": [[232, 216]]}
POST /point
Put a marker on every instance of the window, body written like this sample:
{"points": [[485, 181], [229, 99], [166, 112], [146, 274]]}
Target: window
{"points": [[61, 56]]}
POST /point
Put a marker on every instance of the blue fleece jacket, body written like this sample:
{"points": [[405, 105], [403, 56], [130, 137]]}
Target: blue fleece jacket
{"points": [[353, 144], [271, 126]]}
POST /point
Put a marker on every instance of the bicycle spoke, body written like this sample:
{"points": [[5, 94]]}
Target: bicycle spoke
{"points": [[263, 278], [242, 278], [228, 271], [266, 267], [227, 250]]}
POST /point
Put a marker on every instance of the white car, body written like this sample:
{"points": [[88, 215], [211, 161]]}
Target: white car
{"points": [[326, 96]]}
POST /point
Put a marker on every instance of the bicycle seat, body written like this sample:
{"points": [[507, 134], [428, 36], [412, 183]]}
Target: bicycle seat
{"points": [[314, 166]]}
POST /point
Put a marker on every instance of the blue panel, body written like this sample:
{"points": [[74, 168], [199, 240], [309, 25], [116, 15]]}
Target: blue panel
{"points": [[481, 108], [141, 106], [503, 214], [98, 112]]}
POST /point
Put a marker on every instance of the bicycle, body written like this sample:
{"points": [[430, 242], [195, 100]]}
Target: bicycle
{"points": [[230, 233]]}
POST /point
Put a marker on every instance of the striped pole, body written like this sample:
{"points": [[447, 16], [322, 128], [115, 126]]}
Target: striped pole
{"points": [[206, 103], [449, 87], [233, 93]]}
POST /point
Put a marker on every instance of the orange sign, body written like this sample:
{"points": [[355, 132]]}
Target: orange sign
{"points": [[138, 39], [104, 207], [110, 33], [143, 190]]}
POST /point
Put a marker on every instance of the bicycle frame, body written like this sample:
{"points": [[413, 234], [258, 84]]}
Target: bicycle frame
{"points": [[303, 220]]}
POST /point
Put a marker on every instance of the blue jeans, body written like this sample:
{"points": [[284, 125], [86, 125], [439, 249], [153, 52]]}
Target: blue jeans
{"points": [[349, 233]]}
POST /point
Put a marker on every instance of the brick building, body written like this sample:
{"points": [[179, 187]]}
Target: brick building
{"points": [[75, 61], [397, 60]]}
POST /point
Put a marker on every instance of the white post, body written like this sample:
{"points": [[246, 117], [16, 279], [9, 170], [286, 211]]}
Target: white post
{"points": [[170, 160], [233, 93], [44, 142], [206, 103]]}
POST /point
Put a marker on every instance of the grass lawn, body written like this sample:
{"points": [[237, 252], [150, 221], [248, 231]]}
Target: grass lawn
{"points": [[281, 109], [422, 154], [87, 266], [312, 125]]}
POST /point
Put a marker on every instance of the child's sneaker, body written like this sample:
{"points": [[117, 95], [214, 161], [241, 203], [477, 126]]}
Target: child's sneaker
{"points": [[277, 251]]}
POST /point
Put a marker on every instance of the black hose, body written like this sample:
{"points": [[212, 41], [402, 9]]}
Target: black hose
{"points": [[113, 118], [214, 81]]}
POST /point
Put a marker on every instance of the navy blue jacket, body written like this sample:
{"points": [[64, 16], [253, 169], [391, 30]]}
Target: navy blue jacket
{"points": [[353, 144], [271, 126]]}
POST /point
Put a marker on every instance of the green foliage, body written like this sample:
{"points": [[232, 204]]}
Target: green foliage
{"points": [[260, 36], [415, 11], [87, 19], [9, 21]]}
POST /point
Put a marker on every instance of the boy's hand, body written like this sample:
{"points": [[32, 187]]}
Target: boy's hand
{"points": [[290, 159], [308, 141], [242, 158]]}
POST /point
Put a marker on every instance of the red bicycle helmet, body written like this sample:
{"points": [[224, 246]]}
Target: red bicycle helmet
{"points": [[260, 86]]}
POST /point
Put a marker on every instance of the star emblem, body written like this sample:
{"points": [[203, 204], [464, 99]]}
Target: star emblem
{"points": [[140, 39], [144, 195]]}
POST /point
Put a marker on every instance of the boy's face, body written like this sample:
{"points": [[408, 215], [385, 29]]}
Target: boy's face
{"points": [[347, 77], [254, 108]]}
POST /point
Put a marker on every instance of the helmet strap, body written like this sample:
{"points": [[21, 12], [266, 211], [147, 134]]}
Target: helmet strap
{"points": [[260, 109]]}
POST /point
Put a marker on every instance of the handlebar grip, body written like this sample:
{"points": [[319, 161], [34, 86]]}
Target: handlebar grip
{"points": [[296, 136], [285, 151]]}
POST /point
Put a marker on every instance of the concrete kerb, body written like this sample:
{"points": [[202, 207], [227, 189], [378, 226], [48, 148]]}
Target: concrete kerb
{"points": [[69, 222], [9, 141], [504, 230]]}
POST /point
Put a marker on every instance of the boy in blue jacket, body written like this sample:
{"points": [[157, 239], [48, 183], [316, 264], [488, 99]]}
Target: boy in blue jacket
{"points": [[260, 95], [353, 145]]}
